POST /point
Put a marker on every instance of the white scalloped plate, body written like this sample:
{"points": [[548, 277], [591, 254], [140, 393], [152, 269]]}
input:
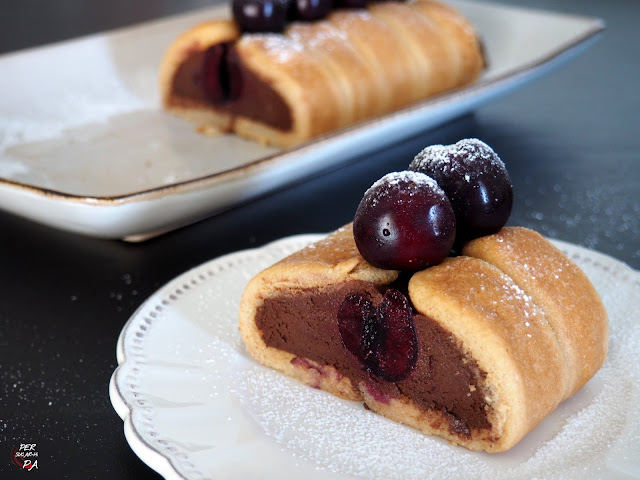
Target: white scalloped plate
{"points": [[196, 406], [86, 147]]}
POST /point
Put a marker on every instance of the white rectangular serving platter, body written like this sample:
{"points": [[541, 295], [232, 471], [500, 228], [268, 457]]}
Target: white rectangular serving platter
{"points": [[86, 147]]}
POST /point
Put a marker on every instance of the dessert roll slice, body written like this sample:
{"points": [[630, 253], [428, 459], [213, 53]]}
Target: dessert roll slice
{"points": [[462, 350], [267, 87], [316, 77]]}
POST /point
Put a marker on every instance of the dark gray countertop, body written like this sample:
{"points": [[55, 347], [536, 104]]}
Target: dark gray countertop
{"points": [[571, 142]]}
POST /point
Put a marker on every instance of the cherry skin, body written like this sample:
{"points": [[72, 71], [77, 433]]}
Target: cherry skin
{"points": [[221, 76], [352, 3], [356, 318], [476, 181], [260, 15], [310, 10], [210, 80], [382, 338], [404, 222], [395, 351]]}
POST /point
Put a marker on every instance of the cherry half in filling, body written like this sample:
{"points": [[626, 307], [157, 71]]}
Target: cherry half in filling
{"points": [[216, 78], [383, 338], [221, 75]]}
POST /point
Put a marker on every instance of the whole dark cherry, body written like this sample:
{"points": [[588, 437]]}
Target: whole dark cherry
{"points": [[352, 3], [404, 222], [310, 10], [475, 180], [261, 15]]}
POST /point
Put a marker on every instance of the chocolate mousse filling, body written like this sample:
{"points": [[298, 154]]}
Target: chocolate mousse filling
{"points": [[216, 78], [443, 378]]}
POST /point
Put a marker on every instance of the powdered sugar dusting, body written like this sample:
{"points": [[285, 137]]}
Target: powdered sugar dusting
{"points": [[408, 180], [602, 217], [299, 37], [279, 48], [459, 156], [341, 436], [317, 35]]}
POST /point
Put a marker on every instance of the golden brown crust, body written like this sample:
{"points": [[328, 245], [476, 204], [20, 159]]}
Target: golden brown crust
{"points": [[463, 46], [505, 333], [515, 322], [423, 41], [381, 47], [346, 65], [557, 285], [299, 78], [353, 66]]}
